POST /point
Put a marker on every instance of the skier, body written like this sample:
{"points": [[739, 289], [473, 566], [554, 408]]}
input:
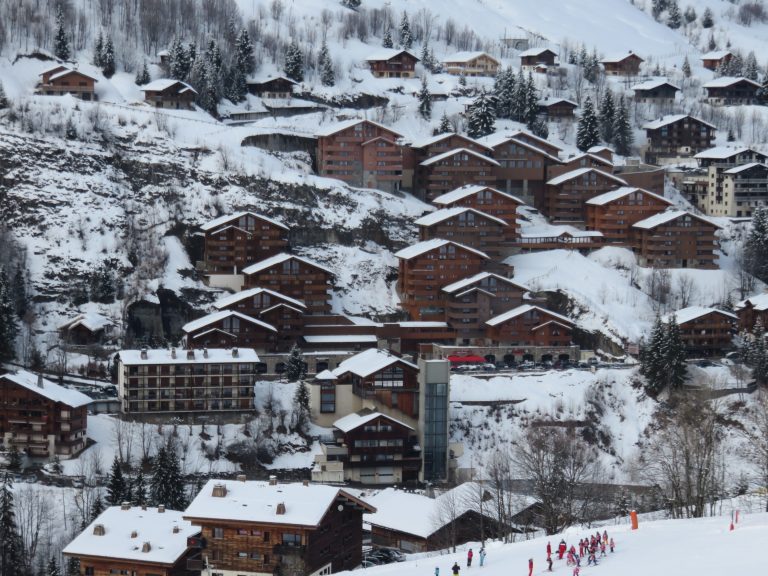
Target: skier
{"points": [[612, 545], [605, 536], [455, 569], [602, 549], [549, 549], [576, 571], [482, 557], [437, 571], [469, 558], [530, 566], [561, 548]]}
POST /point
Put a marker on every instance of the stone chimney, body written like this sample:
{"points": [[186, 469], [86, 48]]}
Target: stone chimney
{"points": [[219, 491], [125, 505], [134, 534], [205, 352], [173, 353], [98, 530], [40, 381], [161, 508], [234, 353], [190, 354], [146, 547], [144, 353], [280, 509], [176, 529], [241, 477], [273, 480]]}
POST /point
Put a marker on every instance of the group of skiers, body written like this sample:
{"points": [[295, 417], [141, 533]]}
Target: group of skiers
{"points": [[591, 547], [470, 555]]}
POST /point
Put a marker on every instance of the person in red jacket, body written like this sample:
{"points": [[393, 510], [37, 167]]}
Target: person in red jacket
{"points": [[530, 566], [549, 549], [562, 548], [469, 558]]}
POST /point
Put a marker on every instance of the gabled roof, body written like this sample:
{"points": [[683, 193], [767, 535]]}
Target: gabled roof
{"points": [[693, 312], [53, 69], [467, 56], [258, 503], [561, 232], [68, 71], [265, 79], [653, 84], [470, 190], [466, 282], [219, 316], [216, 222], [593, 157], [716, 55], [671, 119], [450, 153], [726, 81], [744, 167], [339, 126], [222, 303], [563, 178], [424, 142], [279, 259], [515, 312], [613, 195], [669, 216], [722, 152], [388, 54], [165, 83], [758, 302], [355, 420], [89, 320], [536, 51], [616, 58], [281, 305], [46, 388], [497, 139], [429, 245], [446, 213], [552, 100], [369, 362]]}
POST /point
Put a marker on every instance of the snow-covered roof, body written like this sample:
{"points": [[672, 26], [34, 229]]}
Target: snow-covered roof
{"points": [[219, 316], [613, 195], [166, 356], [68, 71], [726, 81], [493, 140], [164, 83], [259, 502], [593, 157], [515, 312], [693, 312], [441, 215], [265, 79], [388, 54], [340, 339], [53, 68], [759, 302], [279, 259], [155, 528], [616, 58], [671, 119], [424, 142], [281, 305], [668, 216], [552, 100], [470, 190], [653, 84], [421, 324], [428, 245], [369, 362], [354, 420], [325, 375], [339, 126], [744, 167], [599, 148], [450, 153], [560, 231], [497, 138], [466, 282], [466, 57], [716, 55], [216, 222], [90, 320], [536, 51], [568, 176], [721, 152], [46, 388], [238, 296]]}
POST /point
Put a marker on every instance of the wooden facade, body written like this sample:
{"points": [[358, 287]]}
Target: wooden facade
{"points": [[461, 166], [655, 92], [41, 418], [676, 239], [751, 311], [614, 213], [716, 59], [557, 108], [529, 325], [726, 91], [679, 136], [469, 227], [471, 64], [393, 64], [485, 199], [583, 160], [167, 93], [706, 331], [565, 196], [61, 80], [624, 65], [278, 87], [534, 57], [227, 329]]}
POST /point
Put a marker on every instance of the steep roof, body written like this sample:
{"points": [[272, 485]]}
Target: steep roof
{"points": [[219, 316], [466, 282], [467, 56], [216, 222], [671, 119], [388, 54], [450, 153], [469, 190], [693, 312], [563, 178], [616, 58], [165, 356], [369, 362], [424, 142], [496, 139], [758, 302], [339, 126], [726, 81], [46, 388], [237, 296], [593, 157], [536, 52], [515, 312], [653, 84], [428, 245], [90, 320], [668, 216], [156, 528], [552, 100], [716, 55], [355, 420], [279, 259], [165, 83], [613, 195], [68, 71], [446, 213]]}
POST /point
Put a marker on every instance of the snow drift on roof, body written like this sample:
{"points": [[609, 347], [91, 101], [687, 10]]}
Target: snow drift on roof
{"points": [[501, 318], [580, 172], [466, 282], [238, 296], [50, 390], [338, 127], [369, 362], [726, 81], [652, 84], [279, 259], [428, 245], [759, 302], [354, 420], [721, 152], [165, 356], [536, 52], [440, 215], [694, 312], [216, 222], [424, 142], [613, 195], [744, 167], [470, 190], [165, 83], [90, 320], [450, 153], [219, 316], [668, 216], [466, 57], [671, 119]]}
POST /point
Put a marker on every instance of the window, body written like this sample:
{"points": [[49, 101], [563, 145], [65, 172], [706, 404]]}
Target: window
{"points": [[327, 398], [242, 554], [242, 532], [218, 533], [291, 539], [389, 378]]}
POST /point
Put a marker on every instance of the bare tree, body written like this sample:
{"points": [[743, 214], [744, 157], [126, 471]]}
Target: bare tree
{"points": [[33, 514], [686, 290], [449, 508], [757, 440]]}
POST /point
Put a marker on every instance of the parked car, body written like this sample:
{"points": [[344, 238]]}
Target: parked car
{"points": [[489, 367]]}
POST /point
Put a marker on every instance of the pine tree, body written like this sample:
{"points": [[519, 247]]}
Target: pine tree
{"points": [[690, 15], [108, 59], [505, 92], [353, 4], [294, 63], [686, 67], [61, 42], [73, 566], [11, 554], [462, 80], [406, 39], [751, 69], [425, 100], [327, 75], [756, 245], [387, 40], [9, 328], [711, 44], [52, 568], [674, 18], [481, 116], [676, 369], [167, 484], [116, 485], [97, 508], [142, 75], [445, 126], [707, 19], [295, 368], [3, 98], [19, 291], [735, 65], [179, 61], [530, 104], [762, 92], [103, 284], [98, 50], [651, 360], [14, 459], [301, 406], [139, 489], [607, 116], [246, 62], [622, 130], [657, 7], [588, 131]]}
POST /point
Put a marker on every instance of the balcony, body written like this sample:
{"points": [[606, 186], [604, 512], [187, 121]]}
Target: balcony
{"points": [[288, 549]]}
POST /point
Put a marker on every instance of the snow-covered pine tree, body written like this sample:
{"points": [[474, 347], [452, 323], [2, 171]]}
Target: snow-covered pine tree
{"points": [[504, 90], [622, 130], [73, 566], [735, 65], [116, 485], [689, 15], [425, 100], [386, 42], [108, 59], [481, 114], [711, 44], [531, 103], [676, 369], [294, 368], [406, 38], [686, 67], [103, 285], [142, 75], [301, 407], [167, 484], [9, 328], [3, 98], [588, 131], [11, 548], [244, 53], [651, 360], [139, 489], [294, 63], [751, 68], [758, 355], [98, 49], [14, 458], [353, 4], [707, 19], [60, 42], [327, 76], [96, 508], [607, 116], [53, 568], [445, 124], [674, 17], [756, 245]]}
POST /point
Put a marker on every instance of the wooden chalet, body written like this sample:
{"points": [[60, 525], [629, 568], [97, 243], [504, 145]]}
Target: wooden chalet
{"points": [[293, 276], [169, 93], [254, 301], [87, 329], [60, 80], [533, 59], [138, 540], [727, 91], [564, 197], [529, 325], [226, 329], [751, 311], [471, 64], [361, 153], [485, 199], [392, 63], [745, 188], [604, 152], [613, 213], [469, 227], [578, 161], [458, 167], [234, 241], [560, 238], [250, 527], [278, 88], [557, 108], [676, 239], [627, 64], [677, 136], [705, 331], [40, 418], [655, 92], [425, 268], [716, 59]]}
